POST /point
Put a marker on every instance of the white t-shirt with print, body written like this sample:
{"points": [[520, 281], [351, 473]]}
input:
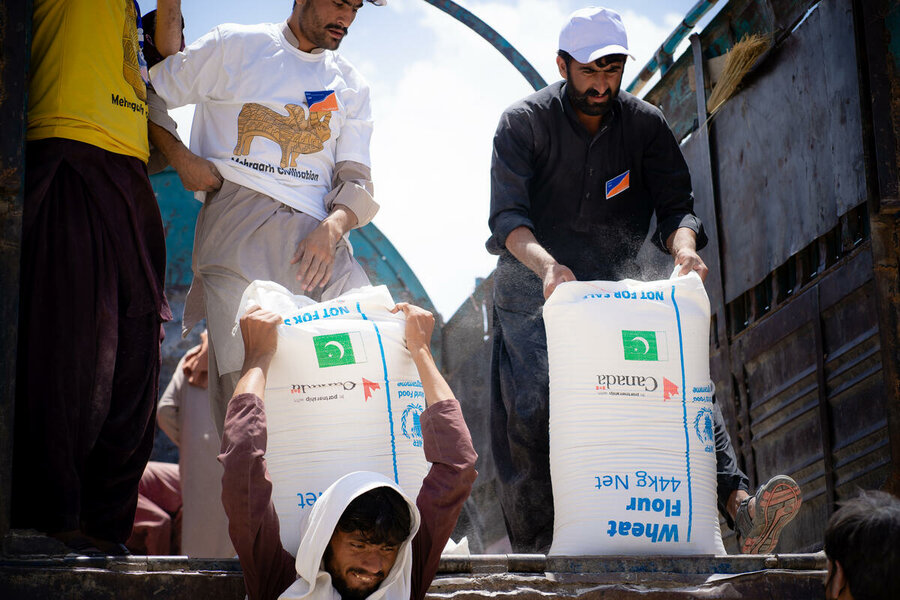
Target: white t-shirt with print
{"points": [[253, 90]]}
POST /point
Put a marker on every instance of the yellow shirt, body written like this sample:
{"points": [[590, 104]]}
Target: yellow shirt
{"points": [[86, 80]]}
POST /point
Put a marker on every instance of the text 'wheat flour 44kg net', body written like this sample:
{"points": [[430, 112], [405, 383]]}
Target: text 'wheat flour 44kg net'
{"points": [[632, 454]]}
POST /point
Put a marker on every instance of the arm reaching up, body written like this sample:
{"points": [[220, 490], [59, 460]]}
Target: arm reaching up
{"points": [[419, 325], [169, 25], [448, 447], [259, 329], [246, 486]]}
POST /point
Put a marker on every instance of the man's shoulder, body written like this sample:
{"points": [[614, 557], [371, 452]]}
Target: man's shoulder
{"points": [[544, 99], [640, 109], [234, 31], [534, 109], [350, 73]]}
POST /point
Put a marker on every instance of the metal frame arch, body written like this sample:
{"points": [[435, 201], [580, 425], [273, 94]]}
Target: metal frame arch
{"points": [[493, 38]]}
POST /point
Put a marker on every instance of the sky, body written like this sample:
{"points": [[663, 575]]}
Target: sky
{"points": [[438, 90]]}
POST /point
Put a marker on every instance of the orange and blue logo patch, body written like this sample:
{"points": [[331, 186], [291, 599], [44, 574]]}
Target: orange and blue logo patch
{"points": [[618, 184], [326, 100]]}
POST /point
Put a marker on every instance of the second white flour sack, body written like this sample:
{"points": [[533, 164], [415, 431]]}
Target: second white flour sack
{"points": [[632, 449]]}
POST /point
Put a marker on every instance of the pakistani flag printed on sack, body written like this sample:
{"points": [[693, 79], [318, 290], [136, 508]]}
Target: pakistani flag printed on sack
{"points": [[337, 349], [645, 345]]}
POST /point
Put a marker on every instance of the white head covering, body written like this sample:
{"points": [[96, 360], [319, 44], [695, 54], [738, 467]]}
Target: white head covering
{"points": [[314, 582], [592, 33]]}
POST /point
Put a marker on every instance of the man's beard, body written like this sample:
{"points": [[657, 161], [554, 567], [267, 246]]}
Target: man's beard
{"points": [[581, 101], [320, 37], [350, 594], [317, 32]]}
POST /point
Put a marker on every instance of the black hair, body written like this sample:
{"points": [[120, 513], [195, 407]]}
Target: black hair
{"points": [[600, 62], [381, 515], [864, 537], [294, 2], [148, 24]]}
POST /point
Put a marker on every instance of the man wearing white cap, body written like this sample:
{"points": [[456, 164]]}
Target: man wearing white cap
{"points": [[280, 155], [578, 170]]}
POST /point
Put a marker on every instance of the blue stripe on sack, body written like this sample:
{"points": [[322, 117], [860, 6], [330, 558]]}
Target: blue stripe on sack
{"points": [[687, 437], [387, 390]]}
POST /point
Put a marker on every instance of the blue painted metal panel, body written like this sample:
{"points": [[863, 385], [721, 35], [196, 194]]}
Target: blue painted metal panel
{"points": [[179, 213], [662, 58]]}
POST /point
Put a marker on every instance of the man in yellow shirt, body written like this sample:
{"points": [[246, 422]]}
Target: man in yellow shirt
{"points": [[93, 271]]}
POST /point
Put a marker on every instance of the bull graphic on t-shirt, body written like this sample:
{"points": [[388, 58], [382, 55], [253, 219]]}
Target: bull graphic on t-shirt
{"points": [[295, 132]]}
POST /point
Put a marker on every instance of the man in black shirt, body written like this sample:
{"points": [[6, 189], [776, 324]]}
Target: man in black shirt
{"points": [[578, 170]]}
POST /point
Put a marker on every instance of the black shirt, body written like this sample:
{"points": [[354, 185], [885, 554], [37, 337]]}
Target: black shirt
{"points": [[588, 199]]}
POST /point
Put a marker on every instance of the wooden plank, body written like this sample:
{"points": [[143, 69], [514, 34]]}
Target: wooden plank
{"points": [[790, 149], [878, 29]]}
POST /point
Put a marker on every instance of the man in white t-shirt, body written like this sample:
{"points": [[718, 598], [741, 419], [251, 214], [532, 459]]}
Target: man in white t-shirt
{"points": [[279, 151]]}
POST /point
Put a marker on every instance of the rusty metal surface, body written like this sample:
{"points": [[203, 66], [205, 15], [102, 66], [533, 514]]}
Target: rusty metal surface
{"points": [[526, 576], [15, 32], [467, 360], [790, 149], [878, 23], [878, 29], [663, 57], [674, 94], [696, 153], [94, 583], [809, 376], [765, 585]]}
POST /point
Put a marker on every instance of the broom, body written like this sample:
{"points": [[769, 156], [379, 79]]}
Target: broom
{"points": [[738, 63]]}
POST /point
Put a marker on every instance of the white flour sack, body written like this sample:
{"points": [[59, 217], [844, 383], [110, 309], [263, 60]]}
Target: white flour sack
{"points": [[632, 455], [342, 395]]}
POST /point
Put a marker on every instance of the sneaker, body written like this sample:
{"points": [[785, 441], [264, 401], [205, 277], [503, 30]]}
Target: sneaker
{"points": [[777, 503]]}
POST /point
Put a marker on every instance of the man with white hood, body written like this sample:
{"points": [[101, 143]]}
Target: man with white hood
{"points": [[364, 537]]}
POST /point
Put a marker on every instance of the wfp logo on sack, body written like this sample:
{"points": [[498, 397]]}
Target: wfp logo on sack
{"points": [[339, 349], [645, 345], [411, 424], [703, 426]]}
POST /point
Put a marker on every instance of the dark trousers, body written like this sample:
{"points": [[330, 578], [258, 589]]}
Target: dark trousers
{"points": [[520, 441], [91, 306]]}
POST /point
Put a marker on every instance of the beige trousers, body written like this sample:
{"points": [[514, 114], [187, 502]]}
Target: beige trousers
{"points": [[242, 236]]}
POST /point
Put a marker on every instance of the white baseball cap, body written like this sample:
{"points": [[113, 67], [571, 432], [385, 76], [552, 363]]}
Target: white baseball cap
{"points": [[592, 33]]}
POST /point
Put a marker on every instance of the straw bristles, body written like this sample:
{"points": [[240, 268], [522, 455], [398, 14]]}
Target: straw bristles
{"points": [[740, 59]]}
